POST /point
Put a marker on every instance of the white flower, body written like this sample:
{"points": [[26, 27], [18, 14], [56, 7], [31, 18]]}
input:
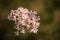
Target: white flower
{"points": [[22, 31], [34, 30], [28, 26], [23, 22]]}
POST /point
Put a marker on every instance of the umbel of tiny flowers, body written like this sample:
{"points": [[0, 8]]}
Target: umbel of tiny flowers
{"points": [[24, 19]]}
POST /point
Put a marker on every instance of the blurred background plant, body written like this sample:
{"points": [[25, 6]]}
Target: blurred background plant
{"points": [[48, 10]]}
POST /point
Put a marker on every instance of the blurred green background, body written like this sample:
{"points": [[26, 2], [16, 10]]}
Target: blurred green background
{"points": [[48, 10]]}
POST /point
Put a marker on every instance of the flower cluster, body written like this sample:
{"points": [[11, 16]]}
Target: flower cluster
{"points": [[24, 19]]}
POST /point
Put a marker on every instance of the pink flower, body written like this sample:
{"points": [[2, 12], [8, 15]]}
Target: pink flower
{"points": [[24, 19]]}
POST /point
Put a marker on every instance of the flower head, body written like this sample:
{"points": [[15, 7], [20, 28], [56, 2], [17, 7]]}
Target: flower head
{"points": [[24, 19]]}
